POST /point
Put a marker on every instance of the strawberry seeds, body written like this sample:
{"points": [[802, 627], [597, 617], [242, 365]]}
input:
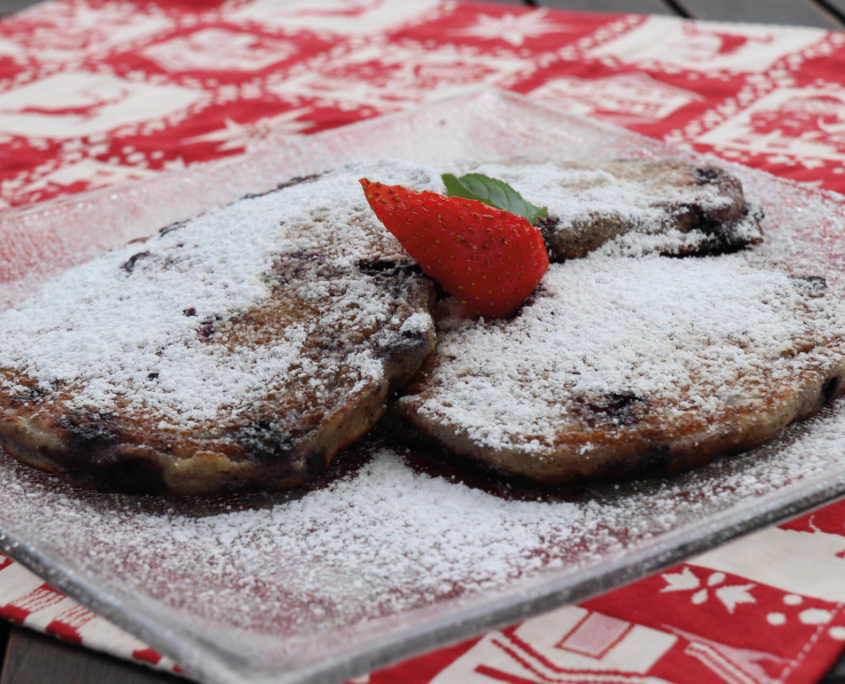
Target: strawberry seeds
{"points": [[490, 259]]}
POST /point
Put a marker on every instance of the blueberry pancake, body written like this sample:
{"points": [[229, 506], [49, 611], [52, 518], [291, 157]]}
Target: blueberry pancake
{"points": [[246, 347], [618, 367], [242, 348], [634, 206]]}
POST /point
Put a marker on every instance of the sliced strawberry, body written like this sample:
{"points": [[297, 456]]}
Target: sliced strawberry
{"points": [[489, 259]]}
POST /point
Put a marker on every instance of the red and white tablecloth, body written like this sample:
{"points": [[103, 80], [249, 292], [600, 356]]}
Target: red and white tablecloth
{"points": [[94, 93]]}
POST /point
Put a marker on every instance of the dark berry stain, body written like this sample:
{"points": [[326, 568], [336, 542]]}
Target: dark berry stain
{"points": [[189, 312], [618, 409], [266, 441], [831, 388], [170, 228], [707, 174], [812, 286], [129, 265], [547, 225], [88, 429], [32, 394], [385, 267], [298, 180], [206, 329]]}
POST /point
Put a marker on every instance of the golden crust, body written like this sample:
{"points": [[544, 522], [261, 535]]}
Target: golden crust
{"points": [[129, 450], [621, 434], [290, 434], [643, 450]]}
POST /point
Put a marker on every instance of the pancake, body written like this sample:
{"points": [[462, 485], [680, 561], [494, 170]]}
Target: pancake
{"points": [[634, 206], [243, 348], [620, 367], [247, 347]]}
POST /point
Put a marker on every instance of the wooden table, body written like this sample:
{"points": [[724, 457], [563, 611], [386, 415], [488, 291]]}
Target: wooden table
{"points": [[31, 658]]}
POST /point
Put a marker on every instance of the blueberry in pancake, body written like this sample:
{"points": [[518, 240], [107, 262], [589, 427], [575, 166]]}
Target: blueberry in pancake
{"points": [[243, 348], [618, 367]]}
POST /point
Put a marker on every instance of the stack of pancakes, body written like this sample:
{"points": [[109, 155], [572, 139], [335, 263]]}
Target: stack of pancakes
{"points": [[248, 346]]}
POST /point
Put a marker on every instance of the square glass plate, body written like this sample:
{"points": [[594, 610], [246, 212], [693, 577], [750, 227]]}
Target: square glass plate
{"points": [[386, 561]]}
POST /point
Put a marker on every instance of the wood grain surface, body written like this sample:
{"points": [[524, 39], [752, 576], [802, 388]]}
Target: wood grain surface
{"points": [[33, 658], [798, 12]]}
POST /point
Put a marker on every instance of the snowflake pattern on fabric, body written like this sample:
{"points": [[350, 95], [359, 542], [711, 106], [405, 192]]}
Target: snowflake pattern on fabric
{"points": [[94, 93]]}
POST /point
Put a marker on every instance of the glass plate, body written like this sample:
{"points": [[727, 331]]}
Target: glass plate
{"points": [[388, 560]]}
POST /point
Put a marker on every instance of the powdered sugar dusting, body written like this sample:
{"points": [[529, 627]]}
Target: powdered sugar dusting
{"points": [[288, 577], [217, 574], [132, 326], [673, 241], [689, 336], [381, 542], [649, 201], [546, 184]]}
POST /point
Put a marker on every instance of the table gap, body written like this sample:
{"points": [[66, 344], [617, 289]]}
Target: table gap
{"points": [[784, 12], [677, 8], [835, 8]]}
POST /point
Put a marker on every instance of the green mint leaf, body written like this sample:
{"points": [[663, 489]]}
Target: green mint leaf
{"points": [[494, 192], [502, 195], [455, 189]]}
